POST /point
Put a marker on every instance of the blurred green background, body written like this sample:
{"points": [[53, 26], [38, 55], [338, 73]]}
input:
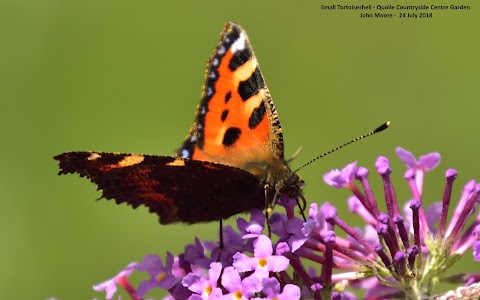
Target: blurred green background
{"points": [[126, 76]]}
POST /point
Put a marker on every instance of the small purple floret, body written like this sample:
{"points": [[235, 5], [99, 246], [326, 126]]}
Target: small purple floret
{"points": [[409, 174], [232, 282], [271, 288], [328, 236], [110, 286], [476, 243], [329, 212], [383, 218], [361, 172], [203, 286], [160, 275], [451, 173], [382, 162], [263, 261], [254, 228], [400, 256], [340, 178], [426, 162], [415, 204]]}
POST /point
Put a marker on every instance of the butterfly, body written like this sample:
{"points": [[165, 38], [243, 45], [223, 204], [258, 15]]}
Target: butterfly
{"points": [[232, 160]]}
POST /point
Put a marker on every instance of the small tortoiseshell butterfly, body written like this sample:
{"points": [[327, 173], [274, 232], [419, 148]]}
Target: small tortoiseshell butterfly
{"points": [[232, 161]]}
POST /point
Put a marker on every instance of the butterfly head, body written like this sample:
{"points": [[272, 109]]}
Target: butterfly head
{"points": [[290, 186]]}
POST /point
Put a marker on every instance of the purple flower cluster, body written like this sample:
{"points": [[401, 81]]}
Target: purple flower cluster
{"points": [[397, 255]]}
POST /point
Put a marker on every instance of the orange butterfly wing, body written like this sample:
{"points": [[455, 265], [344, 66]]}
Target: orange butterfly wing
{"points": [[236, 121]]}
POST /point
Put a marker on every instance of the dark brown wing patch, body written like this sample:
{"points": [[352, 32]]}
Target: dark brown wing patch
{"points": [[177, 190]]}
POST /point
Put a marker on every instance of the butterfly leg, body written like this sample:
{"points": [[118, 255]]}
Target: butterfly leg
{"points": [[221, 246], [220, 232], [268, 210], [302, 207]]}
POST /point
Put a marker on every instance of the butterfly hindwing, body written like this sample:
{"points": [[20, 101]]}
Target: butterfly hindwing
{"points": [[177, 190], [236, 114]]}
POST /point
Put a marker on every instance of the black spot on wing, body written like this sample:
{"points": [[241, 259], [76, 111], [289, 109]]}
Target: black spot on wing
{"points": [[240, 57], [231, 136], [257, 116], [251, 86], [227, 97], [224, 115]]}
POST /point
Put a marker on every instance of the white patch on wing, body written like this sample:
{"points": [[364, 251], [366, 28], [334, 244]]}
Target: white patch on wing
{"points": [[221, 51], [185, 153], [239, 43]]}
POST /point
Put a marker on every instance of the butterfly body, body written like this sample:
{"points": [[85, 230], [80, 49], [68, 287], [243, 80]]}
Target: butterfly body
{"points": [[232, 160]]}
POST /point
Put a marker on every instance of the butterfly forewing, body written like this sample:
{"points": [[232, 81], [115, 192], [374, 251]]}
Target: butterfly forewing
{"points": [[236, 118]]}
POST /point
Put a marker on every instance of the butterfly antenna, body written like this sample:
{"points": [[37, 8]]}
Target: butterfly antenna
{"points": [[376, 130]]}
